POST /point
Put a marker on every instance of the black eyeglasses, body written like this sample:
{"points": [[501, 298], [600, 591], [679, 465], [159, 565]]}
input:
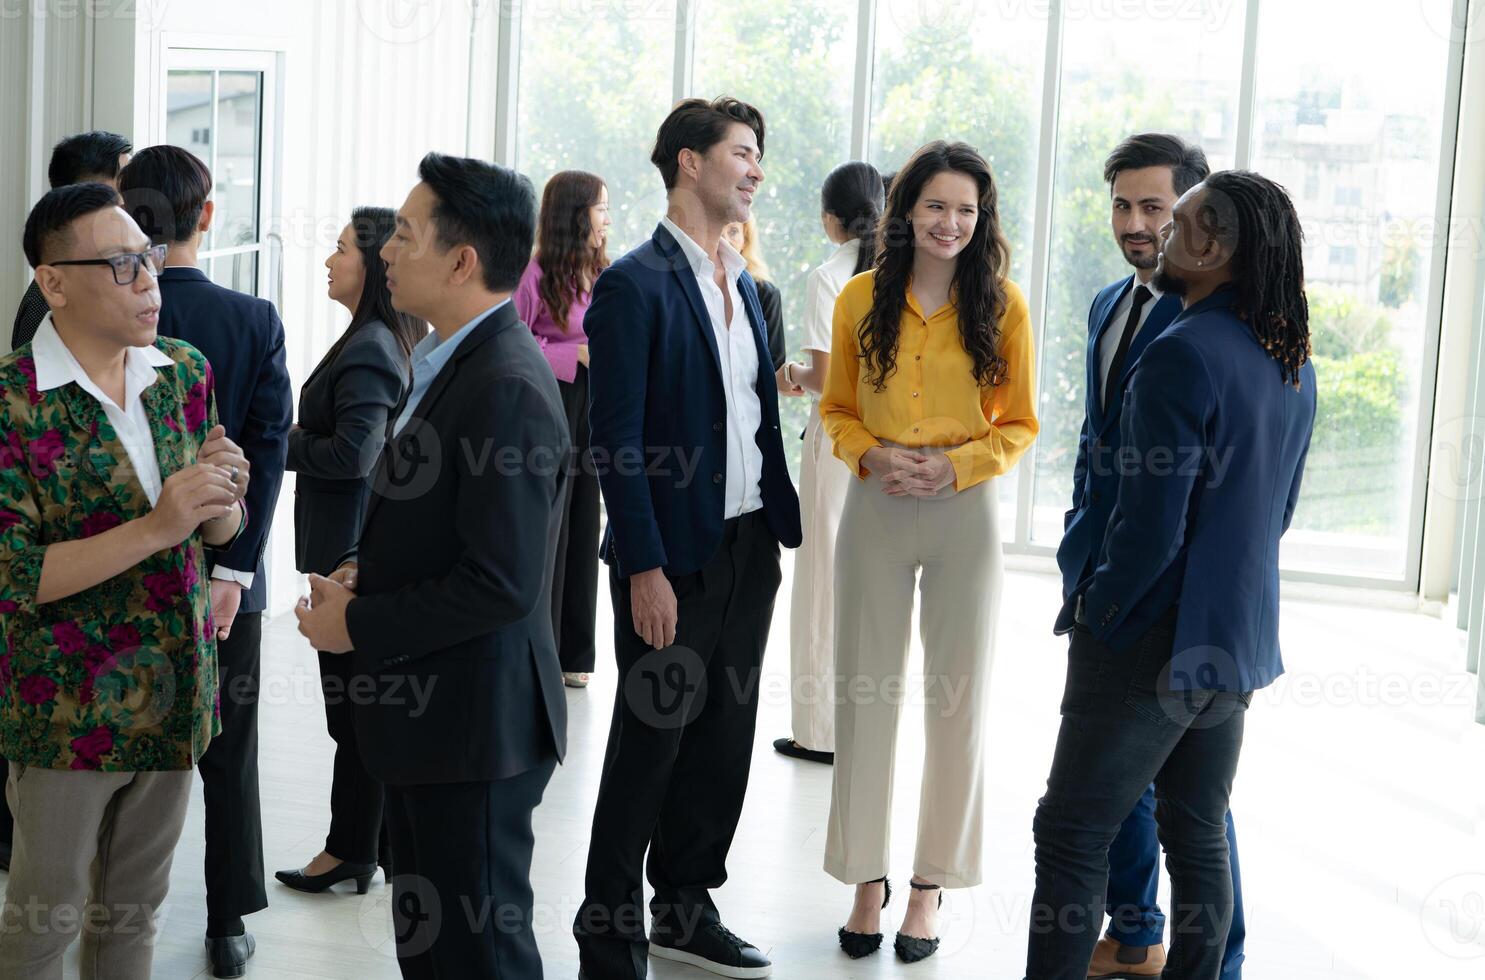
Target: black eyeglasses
{"points": [[126, 266]]}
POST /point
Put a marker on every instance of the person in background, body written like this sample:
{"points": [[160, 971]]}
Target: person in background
{"points": [[851, 202], [167, 190], [552, 299], [96, 156], [1163, 661], [114, 476], [930, 397], [343, 409], [743, 236]]}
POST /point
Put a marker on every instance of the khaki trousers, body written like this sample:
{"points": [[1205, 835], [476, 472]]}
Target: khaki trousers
{"points": [[92, 854], [883, 544]]}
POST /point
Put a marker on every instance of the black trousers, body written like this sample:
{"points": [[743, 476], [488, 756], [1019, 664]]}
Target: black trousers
{"points": [[679, 748], [1122, 728], [229, 776], [461, 894], [357, 832], [575, 576]]}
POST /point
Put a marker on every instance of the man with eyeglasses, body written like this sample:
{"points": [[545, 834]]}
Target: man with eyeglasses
{"points": [[114, 478], [167, 190]]}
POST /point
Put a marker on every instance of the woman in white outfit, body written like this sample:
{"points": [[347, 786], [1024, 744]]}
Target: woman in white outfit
{"points": [[851, 201]]}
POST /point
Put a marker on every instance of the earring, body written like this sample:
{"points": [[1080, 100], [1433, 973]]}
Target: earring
{"points": [[1198, 262]]}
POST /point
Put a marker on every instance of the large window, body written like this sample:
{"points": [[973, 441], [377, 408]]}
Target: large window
{"points": [[594, 85], [1358, 150], [1178, 74], [1295, 93], [793, 60]]}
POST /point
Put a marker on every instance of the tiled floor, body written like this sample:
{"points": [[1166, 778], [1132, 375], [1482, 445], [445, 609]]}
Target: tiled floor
{"points": [[1360, 806]]}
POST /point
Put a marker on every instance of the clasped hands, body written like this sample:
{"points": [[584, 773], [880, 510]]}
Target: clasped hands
{"points": [[908, 472], [322, 613]]}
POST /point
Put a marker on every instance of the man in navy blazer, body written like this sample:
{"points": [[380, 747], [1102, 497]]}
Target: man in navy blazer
{"points": [[1177, 625], [167, 189], [1145, 174], [685, 435]]}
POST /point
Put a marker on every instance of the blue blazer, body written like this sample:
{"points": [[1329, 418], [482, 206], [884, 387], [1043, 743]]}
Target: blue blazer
{"points": [[1095, 474], [658, 415], [243, 340], [1219, 441]]}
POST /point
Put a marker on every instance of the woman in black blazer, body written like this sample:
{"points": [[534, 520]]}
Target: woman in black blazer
{"points": [[343, 410]]}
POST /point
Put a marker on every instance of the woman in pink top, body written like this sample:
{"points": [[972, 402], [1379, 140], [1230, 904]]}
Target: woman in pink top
{"points": [[552, 298]]}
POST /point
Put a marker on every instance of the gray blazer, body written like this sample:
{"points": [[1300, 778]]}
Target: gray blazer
{"points": [[343, 410]]}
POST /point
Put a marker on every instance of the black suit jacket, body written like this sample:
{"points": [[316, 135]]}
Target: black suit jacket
{"points": [[773, 320], [343, 410], [455, 572], [243, 340]]}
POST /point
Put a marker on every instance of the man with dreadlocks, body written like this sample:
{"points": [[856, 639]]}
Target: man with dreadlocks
{"points": [[1177, 626]]}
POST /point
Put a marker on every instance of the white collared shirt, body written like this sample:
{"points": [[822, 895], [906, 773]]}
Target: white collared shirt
{"points": [[56, 366], [739, 356], [1108, 344]]}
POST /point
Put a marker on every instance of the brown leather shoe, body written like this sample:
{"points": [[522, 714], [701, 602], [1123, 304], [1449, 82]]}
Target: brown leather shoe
{"points": [[1112, 960]]}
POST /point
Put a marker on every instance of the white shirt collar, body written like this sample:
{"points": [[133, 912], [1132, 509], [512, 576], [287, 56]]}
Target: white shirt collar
{"points": [[56, 365], [699, 261], [1155, 294]]}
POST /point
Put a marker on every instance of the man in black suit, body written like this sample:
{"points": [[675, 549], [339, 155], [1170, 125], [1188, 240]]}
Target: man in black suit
{"points": [[166, 189], [95, 157], [685, 416], [447, 599]]}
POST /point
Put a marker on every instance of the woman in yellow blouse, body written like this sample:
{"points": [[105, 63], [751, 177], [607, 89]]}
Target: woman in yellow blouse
{"points": [[929, 396]]}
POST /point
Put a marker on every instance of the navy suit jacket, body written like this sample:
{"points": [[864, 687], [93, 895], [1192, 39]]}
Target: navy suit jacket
{"points": [[658, 414], [1096, 473], [1219, 440], [243, 340]]}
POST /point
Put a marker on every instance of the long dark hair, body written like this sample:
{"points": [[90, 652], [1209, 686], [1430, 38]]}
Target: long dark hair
{"points": [[563, 240], [853, 193], [979, 274], [1257, 218], [370, 228]]}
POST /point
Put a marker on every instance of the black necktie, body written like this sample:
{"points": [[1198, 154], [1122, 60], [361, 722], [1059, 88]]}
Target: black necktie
{"points": [[1121, 353]]}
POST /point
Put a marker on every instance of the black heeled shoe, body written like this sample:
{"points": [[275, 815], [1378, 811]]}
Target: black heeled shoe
{"points": [[911, 949], [345, 871], [859, 944]]}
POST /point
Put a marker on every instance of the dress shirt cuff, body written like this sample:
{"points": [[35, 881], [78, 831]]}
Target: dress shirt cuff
{"points": [[564, 360], [224, 574], [853, 445]]}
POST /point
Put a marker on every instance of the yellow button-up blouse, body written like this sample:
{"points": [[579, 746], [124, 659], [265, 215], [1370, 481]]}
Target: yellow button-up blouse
{"points": [[932, 399]]}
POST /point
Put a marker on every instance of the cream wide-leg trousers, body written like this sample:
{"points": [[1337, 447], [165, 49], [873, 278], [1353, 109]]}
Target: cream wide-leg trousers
{"points": [[823, 480], [882, 545]]}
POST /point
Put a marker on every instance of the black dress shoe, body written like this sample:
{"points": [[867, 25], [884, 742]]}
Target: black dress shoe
{"points": [[911, 949], [716, 950], [344, 871], [229, 954], [859, 944], [791, 748]]}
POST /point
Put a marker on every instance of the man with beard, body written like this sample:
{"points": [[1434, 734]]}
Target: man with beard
{"points": [[1145, 174], [1177, 625]]}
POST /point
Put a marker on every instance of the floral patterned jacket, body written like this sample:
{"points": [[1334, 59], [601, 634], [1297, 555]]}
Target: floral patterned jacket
{"points": [[121, 677]]}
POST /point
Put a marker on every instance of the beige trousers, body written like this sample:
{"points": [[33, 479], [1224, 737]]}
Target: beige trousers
{"points": [[883, 544], [823, 480], [92, 854]]}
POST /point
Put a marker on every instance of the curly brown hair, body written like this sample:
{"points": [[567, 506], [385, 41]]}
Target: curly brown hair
{"points": [[979, 275], [563, 241]]}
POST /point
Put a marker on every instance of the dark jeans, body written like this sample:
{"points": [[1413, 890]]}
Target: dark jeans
{"points": [[1135, 916], [1122, 728], [229, 779], [575, 576], [461, 895], [357, 832], [679, 747]]}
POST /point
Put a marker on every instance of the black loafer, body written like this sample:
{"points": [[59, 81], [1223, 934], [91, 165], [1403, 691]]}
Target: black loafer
{"points": [[229, 954], [791, 748], [716, 950]]}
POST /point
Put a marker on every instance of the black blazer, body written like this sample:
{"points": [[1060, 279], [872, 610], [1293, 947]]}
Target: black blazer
{"points": [[455, 572], [243, 340], [658, 415], [343, 410]]}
